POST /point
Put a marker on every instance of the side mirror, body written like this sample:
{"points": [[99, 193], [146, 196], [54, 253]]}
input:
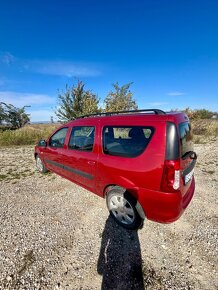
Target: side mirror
{"points": [[42, 143]]}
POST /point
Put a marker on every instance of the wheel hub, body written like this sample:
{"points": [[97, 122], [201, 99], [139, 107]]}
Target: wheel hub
{"points": [[121, 209]]}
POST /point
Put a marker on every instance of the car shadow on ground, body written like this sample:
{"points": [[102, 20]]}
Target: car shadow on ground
{"points": [[120, 262]]}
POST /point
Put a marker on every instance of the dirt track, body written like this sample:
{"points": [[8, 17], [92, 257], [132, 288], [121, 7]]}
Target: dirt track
{"points": [[56, 235]]}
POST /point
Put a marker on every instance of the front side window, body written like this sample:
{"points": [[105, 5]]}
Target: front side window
{"points": [[128, 141], [82, 138], [57, 140], [185, 137]]}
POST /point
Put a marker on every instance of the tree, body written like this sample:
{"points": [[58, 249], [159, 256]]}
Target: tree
{"points": [[2, 114], [120, 99], [13, 116], [75, 102]]}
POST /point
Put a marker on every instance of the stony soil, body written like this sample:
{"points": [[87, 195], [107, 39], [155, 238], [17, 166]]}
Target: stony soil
{"points": [[56, 235]]}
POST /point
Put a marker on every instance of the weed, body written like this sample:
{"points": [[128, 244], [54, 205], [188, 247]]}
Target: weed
{"points": [[211, 171], [3, 176]]}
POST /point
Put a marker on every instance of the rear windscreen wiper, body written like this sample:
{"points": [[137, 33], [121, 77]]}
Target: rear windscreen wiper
{"points": [[190, 154]]}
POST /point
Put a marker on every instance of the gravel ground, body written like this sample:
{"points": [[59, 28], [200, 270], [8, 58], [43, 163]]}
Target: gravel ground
{"points": [[56, 235]]}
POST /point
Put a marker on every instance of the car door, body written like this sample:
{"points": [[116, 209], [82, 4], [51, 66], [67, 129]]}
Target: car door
{"points": [[53, 153], [80, 156]]}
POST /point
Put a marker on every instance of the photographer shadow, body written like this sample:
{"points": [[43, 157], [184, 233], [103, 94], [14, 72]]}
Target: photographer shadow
{"points": [[120, 262]]}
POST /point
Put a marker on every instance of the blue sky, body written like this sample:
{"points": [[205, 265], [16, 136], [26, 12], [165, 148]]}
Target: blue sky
{"points": [[167, 48]]}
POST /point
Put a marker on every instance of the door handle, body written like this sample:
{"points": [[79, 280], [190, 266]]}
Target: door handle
{"points": [[91, 162]]}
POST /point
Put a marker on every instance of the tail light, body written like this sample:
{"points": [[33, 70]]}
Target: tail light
{"points": [[171, 176]]}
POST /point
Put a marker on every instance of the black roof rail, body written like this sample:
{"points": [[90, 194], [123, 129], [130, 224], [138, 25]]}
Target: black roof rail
{"points": [[156, 111]]}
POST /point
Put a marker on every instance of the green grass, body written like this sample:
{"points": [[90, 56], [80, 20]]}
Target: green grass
{"points": [[28, 135]]}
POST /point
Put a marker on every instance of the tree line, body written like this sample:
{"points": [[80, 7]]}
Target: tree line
{"points": [[76, 101]]}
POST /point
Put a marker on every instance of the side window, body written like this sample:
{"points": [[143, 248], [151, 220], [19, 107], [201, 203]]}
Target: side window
{"points": [[57, 140], [82, 138], [128, 141]]}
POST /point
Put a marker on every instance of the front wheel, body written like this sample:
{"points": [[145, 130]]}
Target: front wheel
{"points": [[121, 206], [40, 165]]}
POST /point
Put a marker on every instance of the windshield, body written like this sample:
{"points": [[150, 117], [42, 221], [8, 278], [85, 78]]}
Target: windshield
{"points": [[186, 138]]}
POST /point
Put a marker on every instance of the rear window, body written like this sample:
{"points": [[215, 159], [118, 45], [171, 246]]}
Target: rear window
{"points": [[127, 141], [186, 137]]}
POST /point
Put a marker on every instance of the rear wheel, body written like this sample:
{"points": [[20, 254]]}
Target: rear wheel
{"points": [[40, 165], [122, 207]]}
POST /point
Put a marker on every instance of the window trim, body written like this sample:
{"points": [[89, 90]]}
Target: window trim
{"points": [[81, 150], [127, 126], [54, 134]]}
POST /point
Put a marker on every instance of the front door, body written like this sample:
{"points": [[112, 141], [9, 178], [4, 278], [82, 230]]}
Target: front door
{"points": [[80, 157], [53, 153]]}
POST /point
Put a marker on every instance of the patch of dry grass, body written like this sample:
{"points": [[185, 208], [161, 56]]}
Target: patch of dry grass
{"points": [[28, 135], [204, 129]]}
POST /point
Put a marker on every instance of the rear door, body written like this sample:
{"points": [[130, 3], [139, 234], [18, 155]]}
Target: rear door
{"points": [[188, 156]]}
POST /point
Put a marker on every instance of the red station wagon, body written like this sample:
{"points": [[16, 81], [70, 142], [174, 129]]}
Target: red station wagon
{"points": [[141, 161]]}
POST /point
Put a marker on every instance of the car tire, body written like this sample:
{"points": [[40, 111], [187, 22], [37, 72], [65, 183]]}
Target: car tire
{"points": [[40, 165], [122, 207]]}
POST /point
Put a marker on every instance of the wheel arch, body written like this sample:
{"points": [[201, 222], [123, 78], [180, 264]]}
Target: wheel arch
{"points": [[133, 194]]}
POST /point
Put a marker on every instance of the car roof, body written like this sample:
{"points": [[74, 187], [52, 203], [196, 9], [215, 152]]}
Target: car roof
{"points": [[175, 117]]}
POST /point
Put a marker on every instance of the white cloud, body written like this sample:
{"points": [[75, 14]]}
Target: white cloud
{"points": [[175, 94], [61, 68], [24, 99], [6, 58], [50, 67], [42, 115]]}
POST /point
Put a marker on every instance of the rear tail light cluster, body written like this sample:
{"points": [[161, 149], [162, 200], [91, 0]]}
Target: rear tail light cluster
{"points": [[171, 176]]}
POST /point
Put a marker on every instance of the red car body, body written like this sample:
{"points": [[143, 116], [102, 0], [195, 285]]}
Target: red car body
{"points": [[159, 177]]}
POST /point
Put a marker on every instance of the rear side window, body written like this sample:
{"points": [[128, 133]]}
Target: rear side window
{"points": [[57, 140], [186, 137], [128, 141], [82, 138]]}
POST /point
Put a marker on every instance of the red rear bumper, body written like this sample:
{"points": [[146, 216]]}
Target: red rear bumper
{"points": [[164, 207]]}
